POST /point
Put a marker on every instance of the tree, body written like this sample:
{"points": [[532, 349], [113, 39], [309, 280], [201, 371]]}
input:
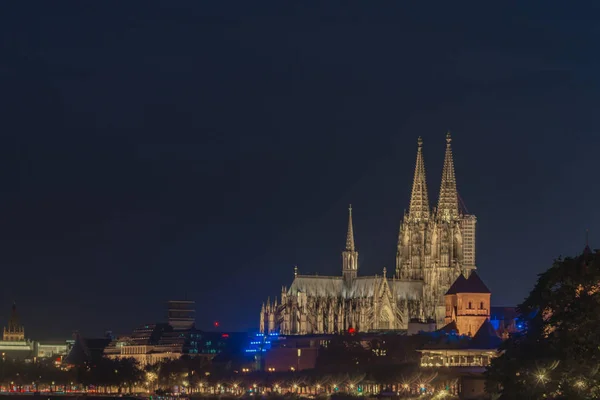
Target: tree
{"points": [[558, 355]]}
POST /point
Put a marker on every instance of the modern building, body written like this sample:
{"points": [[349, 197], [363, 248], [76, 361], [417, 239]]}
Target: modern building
{"points": [[153, 343], [144, 345], [435, 246], [181, 314], [86, 350]]}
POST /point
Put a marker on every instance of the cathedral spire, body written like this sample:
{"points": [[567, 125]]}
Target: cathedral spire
{"points": [[419, 200], [448, 202], [350, 255], [350, 234]]}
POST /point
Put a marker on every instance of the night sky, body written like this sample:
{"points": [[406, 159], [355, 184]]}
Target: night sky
{"points": [[153, 150]]}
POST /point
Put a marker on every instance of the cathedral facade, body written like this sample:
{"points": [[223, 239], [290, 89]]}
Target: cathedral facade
{"points": [[435, 246]]}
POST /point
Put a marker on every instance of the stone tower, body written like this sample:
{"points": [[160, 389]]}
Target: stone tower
{"points": [[435, 247], [350, 255], [413, 239], [468, 304], [15, 331]]}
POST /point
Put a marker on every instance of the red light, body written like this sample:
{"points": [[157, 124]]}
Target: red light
{"points": [[351, 330], [225, 335], [216, 324]]}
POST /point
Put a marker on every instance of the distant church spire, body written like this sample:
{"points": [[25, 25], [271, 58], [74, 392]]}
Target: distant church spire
{"points": [[350, 234], [419, 200], [14, 332], [350, 255], [13, 323], [448, 201]]}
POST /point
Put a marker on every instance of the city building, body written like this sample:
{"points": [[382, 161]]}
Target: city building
{"points": [[153, 343], [86, 350], [434, 248], [468, 342], [182, 314], [14, 345], [468, 338], [468, 304], [506, 321], [53, 349], [14, 332], [145, 345]]}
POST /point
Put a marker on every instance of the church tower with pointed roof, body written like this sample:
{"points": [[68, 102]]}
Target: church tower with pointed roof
{"points": [[15, 331], [468, 304], [350, 255], [435, 247], [413, 239]]}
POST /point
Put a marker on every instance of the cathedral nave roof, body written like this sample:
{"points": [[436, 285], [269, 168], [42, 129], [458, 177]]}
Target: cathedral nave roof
{"points": [[363, 286]]}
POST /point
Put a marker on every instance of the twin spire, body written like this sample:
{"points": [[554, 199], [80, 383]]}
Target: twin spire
{"points": [[419, 200], [448, 201]]}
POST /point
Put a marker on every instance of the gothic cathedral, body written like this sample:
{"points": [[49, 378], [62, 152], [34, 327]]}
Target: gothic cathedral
{"points": [[434, 248]]}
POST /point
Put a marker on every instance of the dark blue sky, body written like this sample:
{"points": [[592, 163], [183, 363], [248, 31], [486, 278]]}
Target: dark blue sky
{"points": [[149, 150]]}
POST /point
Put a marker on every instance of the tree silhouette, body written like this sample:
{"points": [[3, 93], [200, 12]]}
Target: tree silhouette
{"points": [[558, 355]]}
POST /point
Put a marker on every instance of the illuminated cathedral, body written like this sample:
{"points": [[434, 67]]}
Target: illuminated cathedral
{"points": [[435, 246]]}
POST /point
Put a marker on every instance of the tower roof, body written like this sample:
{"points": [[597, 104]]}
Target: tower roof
{"points": [[472, 285], [448, 200], [486, 337], [475, 284], [350, 234], [458, 285], [419, 200]]}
